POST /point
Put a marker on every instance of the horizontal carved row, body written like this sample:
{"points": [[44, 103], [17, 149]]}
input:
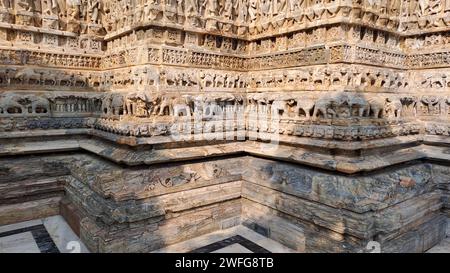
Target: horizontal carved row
{"points": [[73, 16], [23, 77], [300, 57], [297, 106], [329, 77], [359, 53], [262, 18], [274, 106], [50, 40], [262, 130], [52, 59]]}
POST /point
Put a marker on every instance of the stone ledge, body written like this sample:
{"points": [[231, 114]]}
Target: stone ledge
{"points": [[370, 156], [20, 212]]}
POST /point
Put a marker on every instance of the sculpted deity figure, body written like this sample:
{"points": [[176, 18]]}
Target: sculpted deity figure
{"points": [[61, 8], [180, 6], [253, 10], [171, 3], [447, 11], [295, 5], [148, 14], [73, 9], [266, 6], [369, 3], [48, 6], [226, 9], [221, 5], [210, 7], [73, 14], [382, 6], [412, 8], [241, 6], [138, 10], [279, 6], [83, 10], [394, 7], [5, 4], [93, 8], [191, 7], [423, 6]]}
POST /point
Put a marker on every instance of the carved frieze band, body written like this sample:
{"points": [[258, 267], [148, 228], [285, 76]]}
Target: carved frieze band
{"points": [[340, 115]]}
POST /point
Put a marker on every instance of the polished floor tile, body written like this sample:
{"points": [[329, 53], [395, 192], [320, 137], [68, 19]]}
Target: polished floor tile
{"points": [[63, 236], [238, 239], [19, 243], [48, 235], [234, 248]]}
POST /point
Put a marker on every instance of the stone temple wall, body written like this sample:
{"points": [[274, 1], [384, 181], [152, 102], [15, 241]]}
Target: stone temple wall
{"points": [[321, 124]]}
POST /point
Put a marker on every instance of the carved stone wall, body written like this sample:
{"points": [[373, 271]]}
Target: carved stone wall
{"points": [[331, 117]]}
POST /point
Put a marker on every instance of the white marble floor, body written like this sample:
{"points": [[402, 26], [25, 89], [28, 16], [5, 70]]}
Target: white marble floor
{"points": [[444, 246], [50, 234], [238, 239]]}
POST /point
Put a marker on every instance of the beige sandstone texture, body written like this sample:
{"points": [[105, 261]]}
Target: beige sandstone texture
{"points": [[323, 125]]}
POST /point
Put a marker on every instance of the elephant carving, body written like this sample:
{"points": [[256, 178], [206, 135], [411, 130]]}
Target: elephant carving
{"points": [[38, 105], [151, 77], [64, 79], [219, 81], [279, 107], [325, 106], [207, 106], [206, 80], [24, 105], [165, 106], [137, 104], [26, 75], [303, 107], [393, 108], [169, 78], [230, 81], [9, 104], [112, 104], [173, 105], [377, 106], [6, 75], [360, 105], [182, 106]]}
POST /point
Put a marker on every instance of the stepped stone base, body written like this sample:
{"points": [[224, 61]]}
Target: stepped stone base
{"points": [[118, 208]]}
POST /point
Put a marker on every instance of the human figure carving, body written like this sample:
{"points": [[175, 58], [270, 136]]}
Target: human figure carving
{"points": [[191, 8], [49, 7], [253, 10], [241, 6], [93, 8], [5, 4]]}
